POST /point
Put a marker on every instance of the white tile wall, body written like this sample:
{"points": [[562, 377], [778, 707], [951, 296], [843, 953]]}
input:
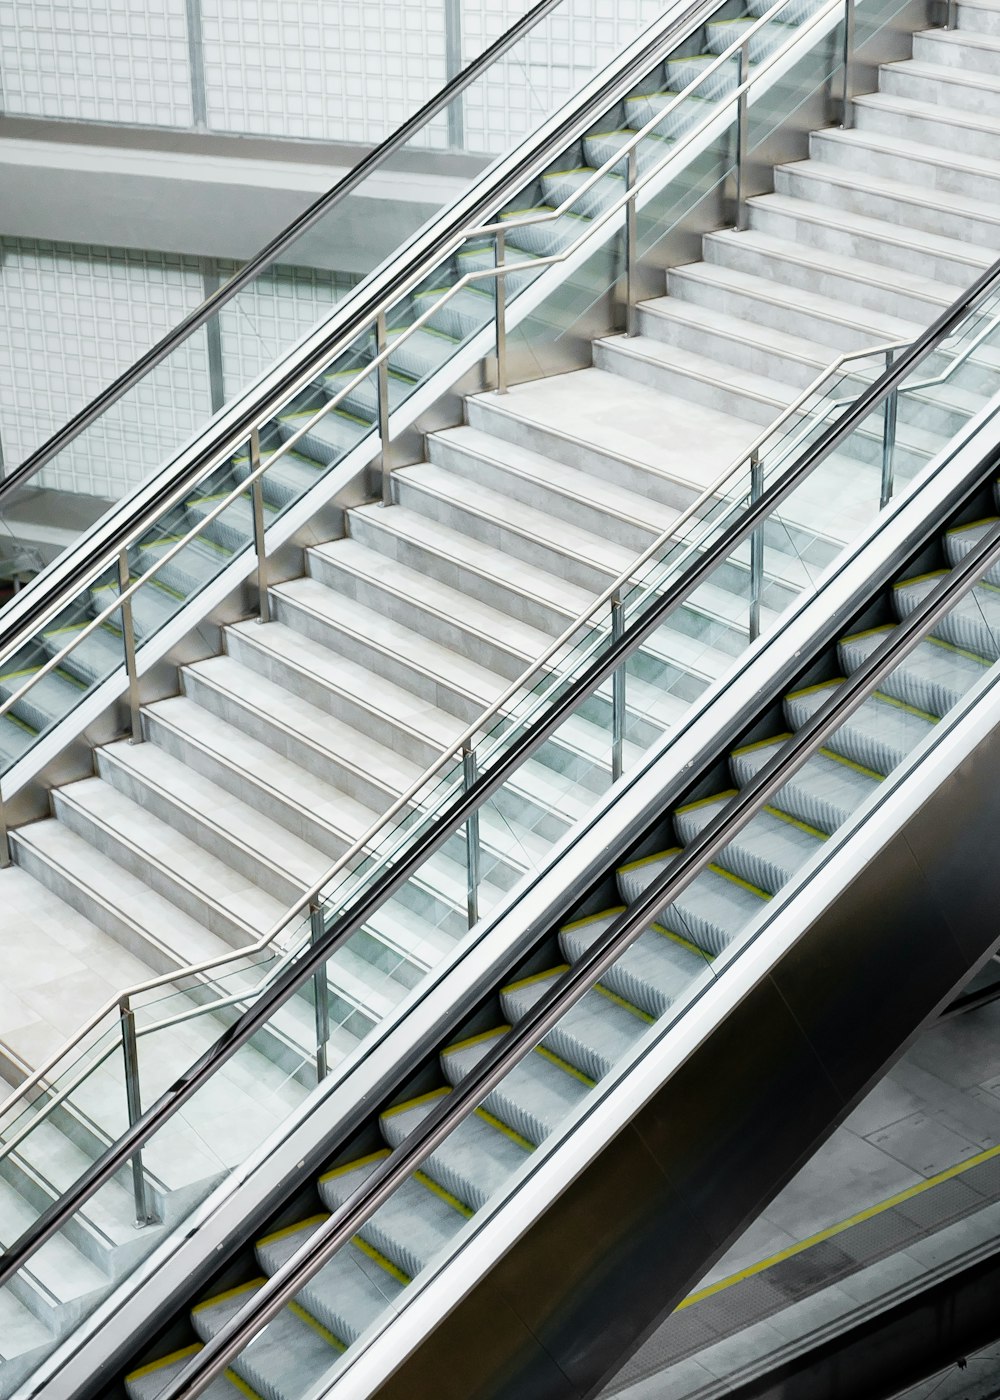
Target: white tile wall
{"points": [[75, 317], [96, 60]]}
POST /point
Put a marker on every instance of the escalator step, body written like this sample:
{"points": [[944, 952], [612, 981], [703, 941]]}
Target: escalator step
{"points": [[593, 1035], [879, 734], [475, 1159], [535, 1096], [934, 676], [652, 973], [825, 791], [959, 542], [286, 1358], [149, 1381], [767, 852], [349, 1292], [713, 910], [419, 1218], [973, 623]]}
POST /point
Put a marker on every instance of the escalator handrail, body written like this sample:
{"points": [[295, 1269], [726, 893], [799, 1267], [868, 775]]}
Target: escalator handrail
{"points": [[272, 251], [219, 441], [345, 1222], [311, 959]]}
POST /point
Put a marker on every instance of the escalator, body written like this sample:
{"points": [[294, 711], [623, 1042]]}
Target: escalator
{"points": [[472, 1112]]}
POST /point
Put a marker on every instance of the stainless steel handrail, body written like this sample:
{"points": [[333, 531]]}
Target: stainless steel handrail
{"points": [[127, 1149], [516, 688], [347, 1220], [278, 245]]}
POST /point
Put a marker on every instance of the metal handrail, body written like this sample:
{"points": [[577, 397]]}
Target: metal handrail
{"points": [[457, 746], [518, 1042], [400, 290], [127, 1149], [272, 251]]}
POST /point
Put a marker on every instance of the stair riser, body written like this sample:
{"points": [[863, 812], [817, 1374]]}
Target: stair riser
{"points": [[730, 350], [937, 175], [495, 532], [493, 591], [853, 292], [391, 667], [190, 823], [928, 130], [273, 666], [633, 534], [897, 80], [187, 897], [929, 47], [976, 20], [25, 1179], [573, 452], [692, 388], [484, 650], [807, 232], [913, 214], [327, 765]]}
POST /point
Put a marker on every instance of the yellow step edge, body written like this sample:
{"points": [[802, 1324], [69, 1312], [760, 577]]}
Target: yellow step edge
{"points": [[443, 1194], [379, 1258], [684, 942], [760, 744], [959, 651], [414, 1103], [815, 689], [284, 1233], [974, 524], [648, 860], [593, 918], [378, 1156], [476, 1039], [501, 1127], [738, 880], [870, 632], [850, 763], [707, 801], [794, 821], [317, 1326], [230, 1293], [902, 705], [152, 1366], [922, 578], [621, 1001], [535, 977], [565, 1065]]}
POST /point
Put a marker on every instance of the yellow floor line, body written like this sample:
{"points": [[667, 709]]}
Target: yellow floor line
{"points": [[833, 1230]]}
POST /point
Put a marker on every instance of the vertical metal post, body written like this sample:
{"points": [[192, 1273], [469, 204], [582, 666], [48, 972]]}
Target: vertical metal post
{"points": [[618, 683], [470, 771], [210, 283], [4, 834], [888, 439], [259, 542], [741, 138], [382, 394], [196, 65], [128, 637], [847, 105], [453, 66], [133, 1101], [630, 245], [756, 547], [501, 314], [952, 17], [317, 930]]}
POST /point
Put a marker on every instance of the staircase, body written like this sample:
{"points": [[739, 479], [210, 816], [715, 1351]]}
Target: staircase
{"points": [[282, 750]]}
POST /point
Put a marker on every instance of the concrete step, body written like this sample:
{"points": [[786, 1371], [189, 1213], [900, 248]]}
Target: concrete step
{"points": [[601, 423], [961, 48], [936, 169], [895, 201], [980, 17], [932, 82], [938, 127], [890, 245]]}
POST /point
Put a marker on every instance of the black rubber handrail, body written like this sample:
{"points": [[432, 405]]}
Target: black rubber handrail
{"points": [[271, 252], [345, 1222], [54, 1217]]}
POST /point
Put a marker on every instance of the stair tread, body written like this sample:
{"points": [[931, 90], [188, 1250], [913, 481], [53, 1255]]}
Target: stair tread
{"points": [[453, 545], [799, 347], [431, 595], [951, 116], [617, 500], [915, 151], [687, 362], [896, 189], [943, 72]]}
